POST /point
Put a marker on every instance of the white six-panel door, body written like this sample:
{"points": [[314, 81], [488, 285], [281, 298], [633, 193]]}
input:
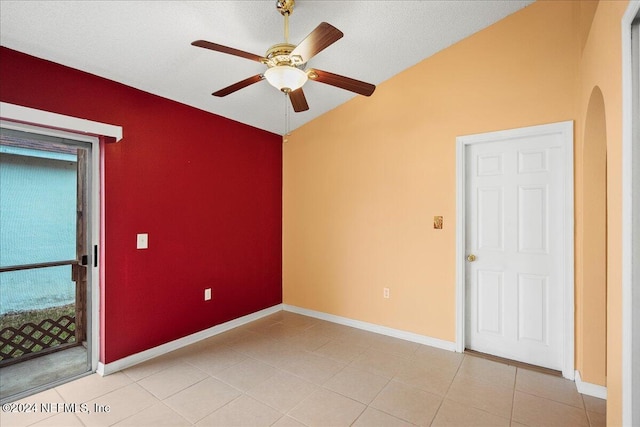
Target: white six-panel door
{"points": [[514, 227]]}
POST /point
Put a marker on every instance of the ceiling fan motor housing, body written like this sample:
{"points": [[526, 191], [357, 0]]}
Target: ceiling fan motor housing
{"points": [[280, 54]]}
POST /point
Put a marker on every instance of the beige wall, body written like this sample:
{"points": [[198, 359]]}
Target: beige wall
{"points": [[362, 183], [591, 231], [600, 65]]}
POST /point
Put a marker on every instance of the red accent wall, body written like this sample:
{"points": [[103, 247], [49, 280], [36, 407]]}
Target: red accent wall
{"points": [[208, 191]]}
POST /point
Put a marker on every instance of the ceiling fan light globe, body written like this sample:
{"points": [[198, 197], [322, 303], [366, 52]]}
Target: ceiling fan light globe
{"points": [[285, 78]]}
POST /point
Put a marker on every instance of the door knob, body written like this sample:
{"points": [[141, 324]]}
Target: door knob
{"points": [[471, 257]]}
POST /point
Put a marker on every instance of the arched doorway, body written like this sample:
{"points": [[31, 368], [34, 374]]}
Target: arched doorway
{"points": [[593, 307]]}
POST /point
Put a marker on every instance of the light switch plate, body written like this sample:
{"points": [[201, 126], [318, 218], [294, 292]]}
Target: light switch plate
{"points": [[142, 241]]}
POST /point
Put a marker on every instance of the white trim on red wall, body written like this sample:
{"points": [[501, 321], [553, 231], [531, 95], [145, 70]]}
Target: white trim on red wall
{"points": [[134, 359], [46, 119]]}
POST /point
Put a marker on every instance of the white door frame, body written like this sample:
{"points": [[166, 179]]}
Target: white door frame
{"points": [[630, 194], [46, 123], [565, 129]]}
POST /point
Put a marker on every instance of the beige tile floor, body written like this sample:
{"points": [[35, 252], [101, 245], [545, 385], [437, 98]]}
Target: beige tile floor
{"points": [[291, 370]]}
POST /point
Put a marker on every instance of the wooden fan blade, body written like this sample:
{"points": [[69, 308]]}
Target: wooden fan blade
{"points": [[342, 82], [319, 39], [298, 100], [228, 50], [237, 86]]}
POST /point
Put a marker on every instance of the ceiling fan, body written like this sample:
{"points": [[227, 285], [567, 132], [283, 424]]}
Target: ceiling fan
{"points": [[286, 63]]}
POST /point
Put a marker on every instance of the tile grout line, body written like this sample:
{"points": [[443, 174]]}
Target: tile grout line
{"points": [[586, 413], [513, 395], [368, 405], [448, 388]]}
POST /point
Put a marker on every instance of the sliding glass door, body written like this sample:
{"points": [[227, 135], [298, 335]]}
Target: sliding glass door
{"points": [[44, 253]]}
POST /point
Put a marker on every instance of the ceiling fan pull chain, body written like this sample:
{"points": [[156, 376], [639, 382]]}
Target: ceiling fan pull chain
{"points": [[288, 107], [287, 118]]}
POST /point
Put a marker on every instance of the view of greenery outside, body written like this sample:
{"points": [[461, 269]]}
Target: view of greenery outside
{"points": [[19, 319], [15, 320]]}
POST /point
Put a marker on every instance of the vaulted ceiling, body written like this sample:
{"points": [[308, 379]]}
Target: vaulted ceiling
{"points": [[147, 44]]}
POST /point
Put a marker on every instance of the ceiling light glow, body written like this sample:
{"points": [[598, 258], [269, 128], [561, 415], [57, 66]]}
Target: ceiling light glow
{"points": [[285, 77]]}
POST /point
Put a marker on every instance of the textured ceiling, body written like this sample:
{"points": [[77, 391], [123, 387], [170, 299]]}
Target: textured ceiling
{"points": [[146, 44]]}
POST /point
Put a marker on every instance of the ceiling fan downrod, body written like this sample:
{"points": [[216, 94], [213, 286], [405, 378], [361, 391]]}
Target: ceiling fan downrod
{"points": [[285, 7]]}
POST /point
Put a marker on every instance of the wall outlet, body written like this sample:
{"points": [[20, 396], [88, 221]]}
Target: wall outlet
{"points": [[207, 294], [385, 293]]}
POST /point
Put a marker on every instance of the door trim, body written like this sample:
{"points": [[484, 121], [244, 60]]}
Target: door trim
{"points": [[58, 122], [630, 193], [565, 129]]}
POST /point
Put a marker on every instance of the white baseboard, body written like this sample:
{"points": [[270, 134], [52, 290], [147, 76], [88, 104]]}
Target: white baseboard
{"points": [[590, 389], [371, 327], [134, 359]]}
